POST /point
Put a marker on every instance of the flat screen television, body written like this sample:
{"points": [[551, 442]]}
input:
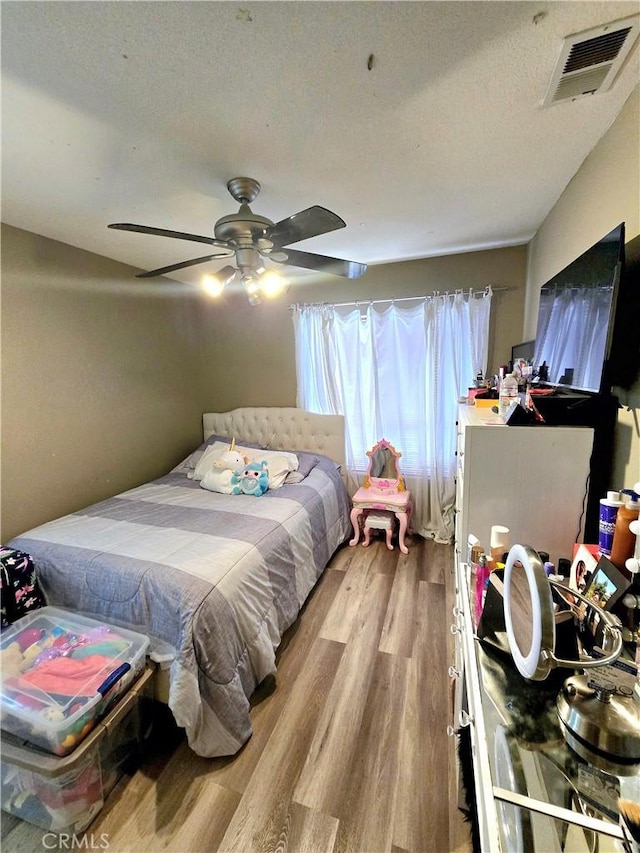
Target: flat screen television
{"points": [[577, 315], [525, 350]]}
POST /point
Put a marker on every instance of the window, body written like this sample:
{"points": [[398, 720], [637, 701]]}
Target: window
{"points": [[396, 371]]}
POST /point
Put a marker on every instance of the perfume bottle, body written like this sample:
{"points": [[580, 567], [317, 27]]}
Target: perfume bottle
{"points": [[482, 579]]}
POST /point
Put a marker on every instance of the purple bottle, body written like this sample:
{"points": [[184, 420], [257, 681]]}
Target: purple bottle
{"points": [[609, 507]]}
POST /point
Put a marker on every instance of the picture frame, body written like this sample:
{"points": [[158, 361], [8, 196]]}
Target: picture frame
{"points": [[582, 568], [606, 586]]}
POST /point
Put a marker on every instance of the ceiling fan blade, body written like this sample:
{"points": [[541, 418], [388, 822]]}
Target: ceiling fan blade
{"points": [[307, 223], [164, 232], [179, 266], [321, 263]]}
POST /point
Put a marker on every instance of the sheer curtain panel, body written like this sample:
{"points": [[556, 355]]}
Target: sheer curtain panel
{"points": [[396, 371]]}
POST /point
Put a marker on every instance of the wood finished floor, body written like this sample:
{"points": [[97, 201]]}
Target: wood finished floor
{"points": [[349, 752]]}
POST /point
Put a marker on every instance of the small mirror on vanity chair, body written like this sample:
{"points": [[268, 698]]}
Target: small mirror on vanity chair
{"points": [[383, 500]]}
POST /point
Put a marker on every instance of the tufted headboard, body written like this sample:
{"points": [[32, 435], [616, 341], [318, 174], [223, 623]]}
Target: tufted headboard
{"points": [[281, 429]]}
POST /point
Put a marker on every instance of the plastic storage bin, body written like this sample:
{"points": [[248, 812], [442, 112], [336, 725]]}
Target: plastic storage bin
{"points": [[65, 794], [61, 672]]}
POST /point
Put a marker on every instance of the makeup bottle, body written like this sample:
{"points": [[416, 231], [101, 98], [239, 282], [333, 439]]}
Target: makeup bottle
{"points": [[474, 562], [623, 538], [508, 394], [609, 507], [499, 541], [482, 579]]}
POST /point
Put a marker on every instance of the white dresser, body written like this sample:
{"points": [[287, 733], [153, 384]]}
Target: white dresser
{"points": [[533, 479]]}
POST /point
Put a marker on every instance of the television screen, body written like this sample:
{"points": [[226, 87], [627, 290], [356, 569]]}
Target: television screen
{"points": [[525, 350], [576, 317]]}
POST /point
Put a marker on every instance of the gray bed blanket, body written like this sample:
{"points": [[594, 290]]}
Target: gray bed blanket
{"points": [[219, 577]]}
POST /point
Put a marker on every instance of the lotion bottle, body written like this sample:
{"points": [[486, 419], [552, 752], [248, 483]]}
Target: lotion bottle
{"points": [[624, 539], [508, 393], [609, 507]]}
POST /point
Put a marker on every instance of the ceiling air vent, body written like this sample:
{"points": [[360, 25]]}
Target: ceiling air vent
{"points": [[589, 61]]}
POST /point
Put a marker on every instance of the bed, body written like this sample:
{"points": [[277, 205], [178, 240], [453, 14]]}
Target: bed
{"points": [[217, 577]]}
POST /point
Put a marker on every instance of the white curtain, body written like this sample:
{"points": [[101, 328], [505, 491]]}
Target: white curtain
{"points": [[397, 372]]}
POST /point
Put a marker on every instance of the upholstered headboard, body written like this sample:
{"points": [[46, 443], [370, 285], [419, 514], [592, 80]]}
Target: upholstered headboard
{"points": [[281, 429]]}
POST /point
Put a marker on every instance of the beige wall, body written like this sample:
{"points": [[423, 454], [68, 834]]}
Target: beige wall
{"points": [[250, 352], [604, 192], [98, 390]]}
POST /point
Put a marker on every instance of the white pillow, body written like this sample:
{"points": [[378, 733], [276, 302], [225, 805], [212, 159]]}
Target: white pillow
{"points": [[278, 467], [207, 459], [279, 463], [188, 465]]}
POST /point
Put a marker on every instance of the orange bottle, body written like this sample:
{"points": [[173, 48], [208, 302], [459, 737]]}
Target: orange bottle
{"points": [[624, 540]]}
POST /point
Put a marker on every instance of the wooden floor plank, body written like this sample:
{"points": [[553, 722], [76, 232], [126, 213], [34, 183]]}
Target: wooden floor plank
{"points": [[399, 627], [438, 567], [331, 750], [263, 813], [309, 832], [367, 809], [341, 560], [421, 819], [191, 829], [344, 610]]}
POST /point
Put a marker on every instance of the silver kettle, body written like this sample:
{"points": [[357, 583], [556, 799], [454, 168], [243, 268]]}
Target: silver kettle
{"points": [[601, 720]]}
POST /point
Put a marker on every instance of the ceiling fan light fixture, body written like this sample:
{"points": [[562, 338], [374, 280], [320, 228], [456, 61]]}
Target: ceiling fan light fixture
{"points": [[212, 285], [252, 288], [271, 284], [216, 283]]}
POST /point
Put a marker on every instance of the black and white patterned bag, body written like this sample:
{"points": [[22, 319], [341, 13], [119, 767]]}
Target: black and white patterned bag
{"points": [[19, 588]]}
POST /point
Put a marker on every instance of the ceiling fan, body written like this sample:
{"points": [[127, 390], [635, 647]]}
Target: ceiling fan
{"points": [[253, 239]]}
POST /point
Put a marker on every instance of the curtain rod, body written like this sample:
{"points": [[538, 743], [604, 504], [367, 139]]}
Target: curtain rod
{"points": [[484, 292]]}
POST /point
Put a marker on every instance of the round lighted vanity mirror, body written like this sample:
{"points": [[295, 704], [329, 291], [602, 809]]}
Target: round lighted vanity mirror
{"points": [[530, 620], [528, 613]]}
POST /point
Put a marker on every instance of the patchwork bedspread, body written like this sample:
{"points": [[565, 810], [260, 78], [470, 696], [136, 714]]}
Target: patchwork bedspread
{"points": [[219, 577]]}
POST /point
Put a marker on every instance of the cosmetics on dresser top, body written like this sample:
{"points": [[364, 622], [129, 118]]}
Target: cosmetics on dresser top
{"points": [[482, 564]]}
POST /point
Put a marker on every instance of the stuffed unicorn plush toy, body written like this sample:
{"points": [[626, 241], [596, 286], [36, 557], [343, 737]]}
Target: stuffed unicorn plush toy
{"points": [[219, 477]]}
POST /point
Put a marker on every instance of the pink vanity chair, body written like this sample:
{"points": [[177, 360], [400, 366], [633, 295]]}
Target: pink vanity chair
{"points": [[383, 498]]}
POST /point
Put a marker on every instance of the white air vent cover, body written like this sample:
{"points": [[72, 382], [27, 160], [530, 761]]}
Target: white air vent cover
{"points": [[589, 61]]}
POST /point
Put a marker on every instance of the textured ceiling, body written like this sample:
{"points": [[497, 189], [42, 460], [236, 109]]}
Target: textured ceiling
{"points": [[419, 123]]}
